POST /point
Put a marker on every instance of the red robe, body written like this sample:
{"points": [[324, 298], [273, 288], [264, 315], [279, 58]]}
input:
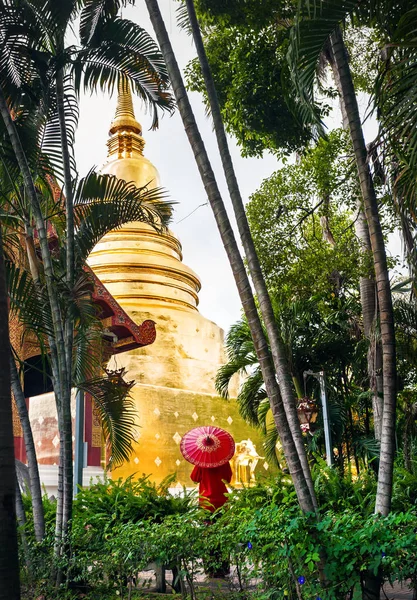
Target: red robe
{"points": [[212, 488]]}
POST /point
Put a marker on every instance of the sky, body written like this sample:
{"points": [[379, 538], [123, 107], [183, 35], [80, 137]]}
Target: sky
{"points": [[168, 149]]}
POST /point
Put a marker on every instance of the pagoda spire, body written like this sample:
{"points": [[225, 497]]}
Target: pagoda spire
{"points": [[125, 131]]}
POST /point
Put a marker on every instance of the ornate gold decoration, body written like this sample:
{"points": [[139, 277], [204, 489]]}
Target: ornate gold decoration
{"points": [[96, 437], [125, 132], [244, 462]]}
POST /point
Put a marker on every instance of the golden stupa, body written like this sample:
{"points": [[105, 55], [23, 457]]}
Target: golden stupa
{"points": [[174, 376]]}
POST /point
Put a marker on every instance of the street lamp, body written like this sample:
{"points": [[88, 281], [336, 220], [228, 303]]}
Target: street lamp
{"points": [[307, 411], [326, 422]]}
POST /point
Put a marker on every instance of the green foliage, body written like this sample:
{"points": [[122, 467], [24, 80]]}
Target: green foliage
{"points": [[321, 333], [363, 46], [405, 312], [117, 411], [103, 201], [384, 64], [301, 221], [248, 62], [342, 493], [404, 493], [114, 501], [243, 12], [120, 528]]}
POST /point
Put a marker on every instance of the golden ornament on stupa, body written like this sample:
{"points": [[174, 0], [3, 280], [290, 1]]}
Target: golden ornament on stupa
{"points": [[174, 376]]}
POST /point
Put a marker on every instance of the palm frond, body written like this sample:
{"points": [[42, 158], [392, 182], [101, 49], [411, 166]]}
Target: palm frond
{"points": [[270, 446], [316, 21], [183, 20], [251, 393], [31, 309], [125, 50], [394, 96], [117, 411], [366, 447], [88, 352], [104, 202], [263, 413], [90, 349], [406, 316], [51, 137], [239, 342], [224, 376], [95, 13], [20, 33]]}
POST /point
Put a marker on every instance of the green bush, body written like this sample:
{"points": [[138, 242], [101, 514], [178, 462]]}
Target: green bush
{"points": [[120, 527]]}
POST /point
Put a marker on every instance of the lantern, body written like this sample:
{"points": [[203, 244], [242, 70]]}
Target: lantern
{"points": [[307, 411]]}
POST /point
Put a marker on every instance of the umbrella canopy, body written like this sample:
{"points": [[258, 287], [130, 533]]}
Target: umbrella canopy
{"points": [[207, 447]]}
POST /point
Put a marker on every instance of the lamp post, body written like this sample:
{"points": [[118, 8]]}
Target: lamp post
{"points": [[326, 422]]}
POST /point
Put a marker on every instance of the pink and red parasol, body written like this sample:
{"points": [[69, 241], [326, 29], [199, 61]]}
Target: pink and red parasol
{"points": [[207, 447]]}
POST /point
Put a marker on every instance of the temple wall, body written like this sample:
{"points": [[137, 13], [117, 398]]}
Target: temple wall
{"points": [[143, 270], [175, 392]]}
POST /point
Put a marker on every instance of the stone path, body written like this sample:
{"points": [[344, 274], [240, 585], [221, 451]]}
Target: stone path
{"points": [[398, 592]]}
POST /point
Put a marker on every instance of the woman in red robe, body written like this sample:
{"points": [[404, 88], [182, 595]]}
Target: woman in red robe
{"points": [[212, 490], [212, 487]]}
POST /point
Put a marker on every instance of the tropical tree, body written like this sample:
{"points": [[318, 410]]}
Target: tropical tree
{"points": [[302, 50], [320, 334], [246, 50], [255, 270], [101, 204], [39, 75], [33, 469], [303, 487], [301, 222]]}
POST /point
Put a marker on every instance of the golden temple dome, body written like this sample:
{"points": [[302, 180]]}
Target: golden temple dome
{"points": [[144, 272], [139, 266]]}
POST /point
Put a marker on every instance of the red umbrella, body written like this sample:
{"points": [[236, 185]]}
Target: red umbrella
{"points": [[207, 446]]}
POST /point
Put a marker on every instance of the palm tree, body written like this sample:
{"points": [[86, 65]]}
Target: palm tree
{"points": [[9, 562], [102, 203], [303, 48], [35, 482], [367, 284], [305, 495], [313, 341], [38, 84], [386, 465], [255, 270]]}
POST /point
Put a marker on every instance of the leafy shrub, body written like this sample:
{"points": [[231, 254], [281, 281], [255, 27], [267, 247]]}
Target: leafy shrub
{"points": [[121, 527], [338, 492], [129, 500]]}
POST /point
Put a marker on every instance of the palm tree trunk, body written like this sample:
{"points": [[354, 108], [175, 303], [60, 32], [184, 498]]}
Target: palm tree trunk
{"points": [[57, 346], [69, 207], [386, 465], [9, 561], [367, 287], [285, 380], [56, 341], [236, 262], [369, 302], [66, 438], [68, 475], [35, 482]]}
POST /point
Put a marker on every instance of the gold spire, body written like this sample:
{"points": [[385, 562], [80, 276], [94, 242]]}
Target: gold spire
{"points": [[125, 131]]}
